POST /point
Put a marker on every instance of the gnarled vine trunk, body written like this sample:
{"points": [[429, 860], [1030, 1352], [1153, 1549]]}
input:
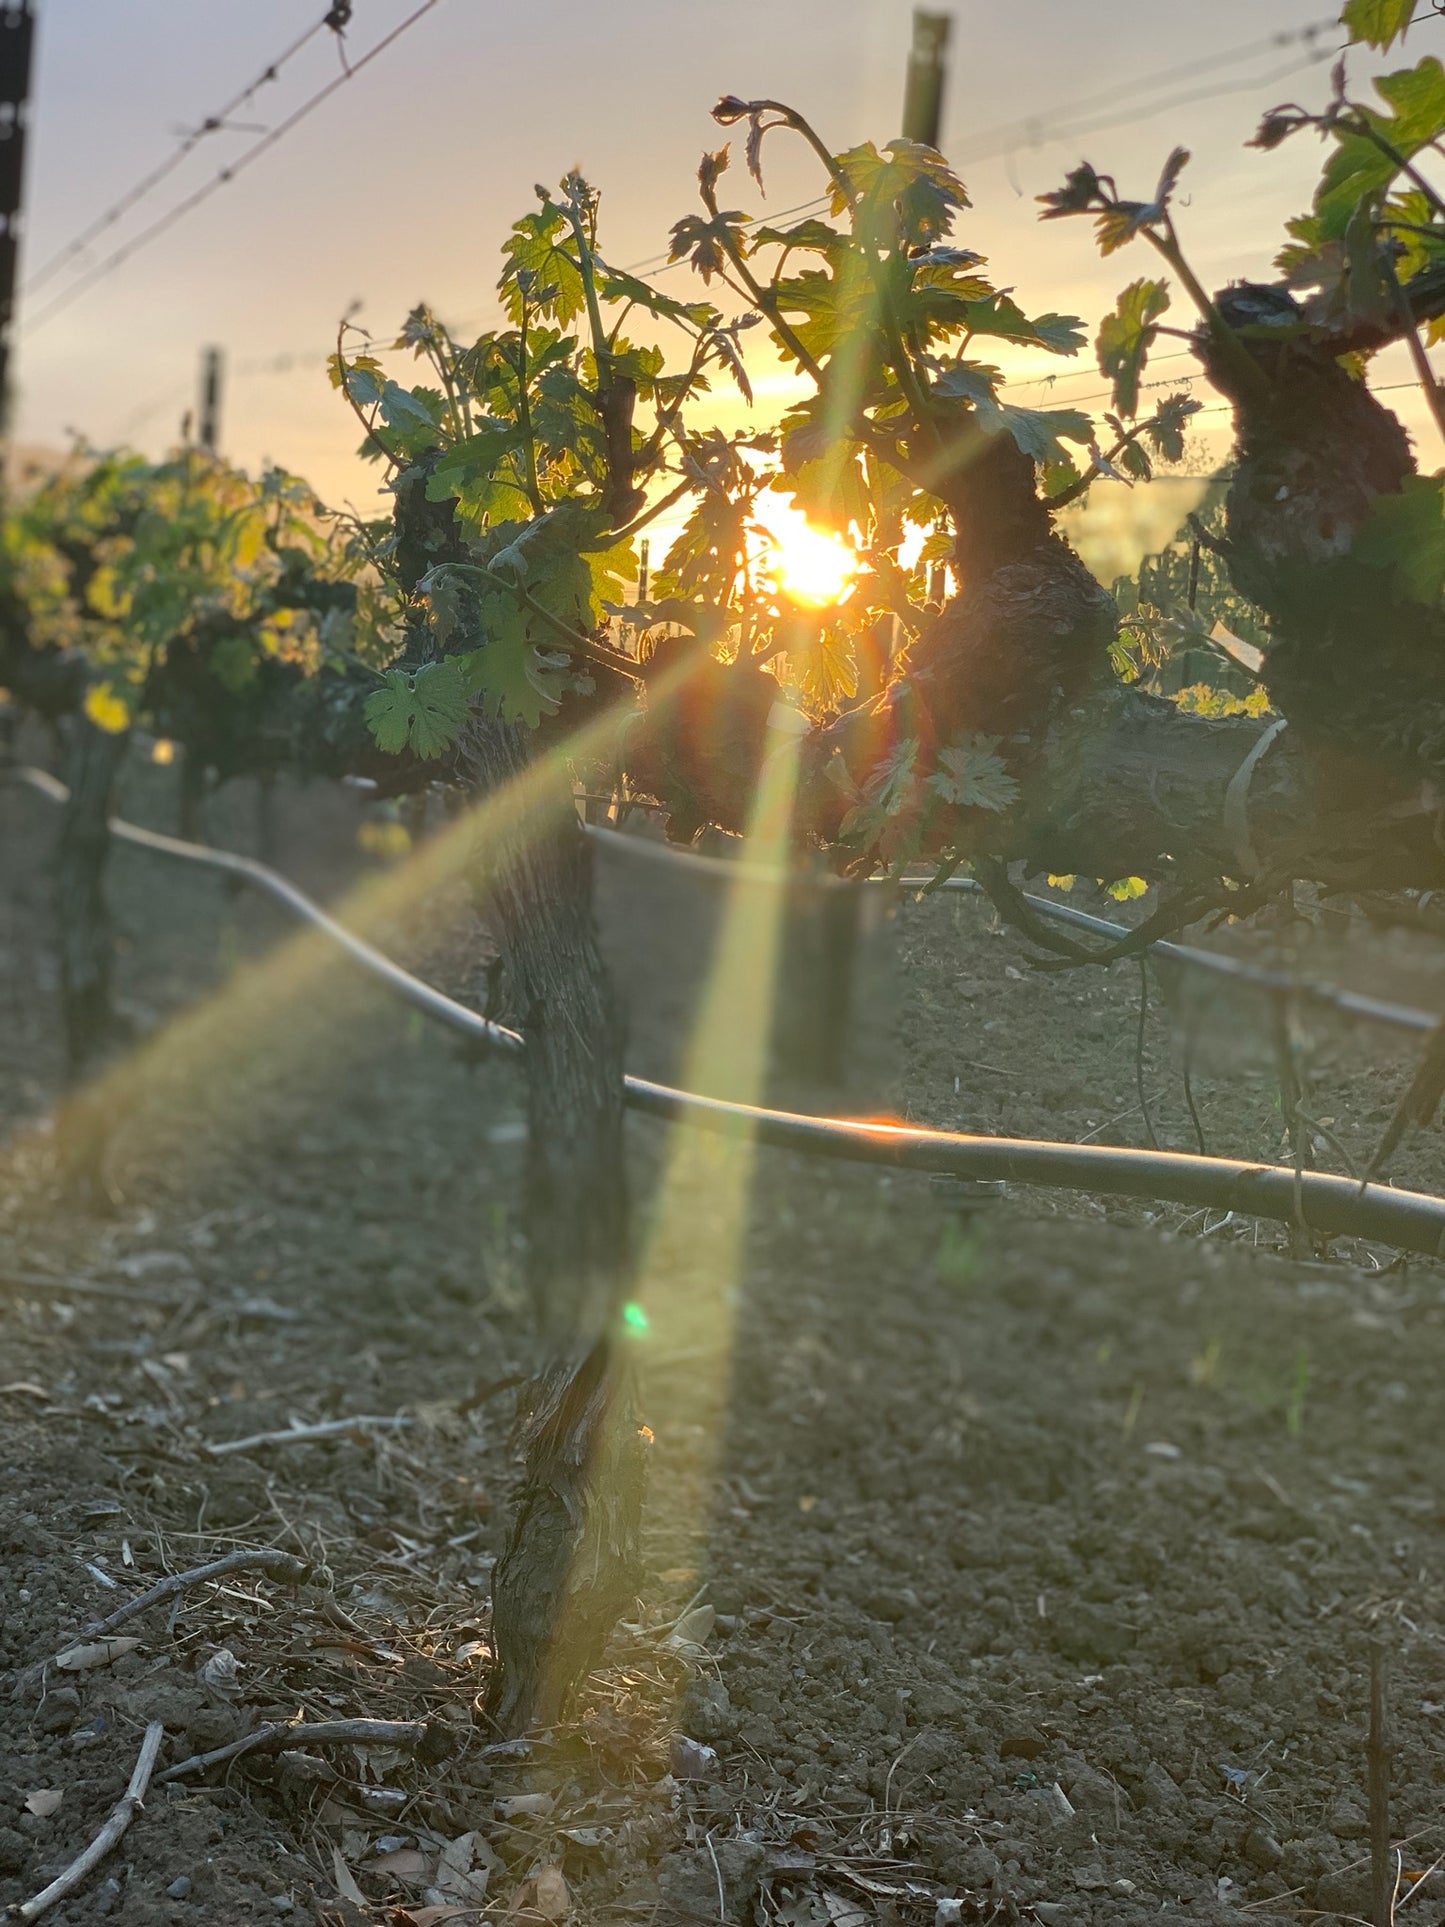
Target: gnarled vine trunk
{"points": [[85, 1119], [87, 944], [571, 1564]]}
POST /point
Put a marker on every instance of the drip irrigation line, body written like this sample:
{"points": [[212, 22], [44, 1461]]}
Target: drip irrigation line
{"points": [[1347, 1003], [272, 884], [1332, 1206]]}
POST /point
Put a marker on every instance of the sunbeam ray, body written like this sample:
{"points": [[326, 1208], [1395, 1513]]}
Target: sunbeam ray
{"points": [[204, 1048], [692, 1250]]}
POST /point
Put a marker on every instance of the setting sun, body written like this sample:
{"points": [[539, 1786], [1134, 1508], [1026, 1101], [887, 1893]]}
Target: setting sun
{"points": [[808, 564]]}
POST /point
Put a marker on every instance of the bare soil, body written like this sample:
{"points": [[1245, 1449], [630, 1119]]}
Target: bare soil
{"points": [[1029, 1560]]}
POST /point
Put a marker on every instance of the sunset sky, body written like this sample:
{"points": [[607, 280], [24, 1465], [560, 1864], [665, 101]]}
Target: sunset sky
{"points": [[402, 185]]}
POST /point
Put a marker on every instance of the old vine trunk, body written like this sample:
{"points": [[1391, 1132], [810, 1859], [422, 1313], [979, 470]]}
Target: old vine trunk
{"points": [[86, 940], [571, 1563]]}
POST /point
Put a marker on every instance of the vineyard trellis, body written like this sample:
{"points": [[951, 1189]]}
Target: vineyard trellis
{"points": [[485, 636], [1319, 1202]]}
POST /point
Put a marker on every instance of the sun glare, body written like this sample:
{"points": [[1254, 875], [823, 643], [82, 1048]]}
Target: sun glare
{"points": [[810, 565]]}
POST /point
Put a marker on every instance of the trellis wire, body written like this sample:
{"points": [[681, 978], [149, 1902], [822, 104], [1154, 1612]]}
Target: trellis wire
{"points": [[1332, 1206]]}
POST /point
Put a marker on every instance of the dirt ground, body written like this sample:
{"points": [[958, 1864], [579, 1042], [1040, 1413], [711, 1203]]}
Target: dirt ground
{"points": [[1023, 1565]]}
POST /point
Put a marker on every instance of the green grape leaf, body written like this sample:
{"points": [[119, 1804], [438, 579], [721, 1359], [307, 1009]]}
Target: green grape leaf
{"points": [[422, 709], [611, 570], [973, 776], [361, 378], [1359, 170], [1417, 96], [1379, 23], [1166, 430], [618, 285], [814, 235], [704, 242], [411, 424], [233, 663], [1118, 224], [1134, 461], [973, 381], [1405, 535], [1001, 316], [1354, 172], [516, 681], [469, 471], [1078, 194], [446, 590], [824, 664], [1037, 431], [1058, 475], [1422, 243], [1061, 334], [1126, 336], [540, 272], [913, 181], [889, 792]]}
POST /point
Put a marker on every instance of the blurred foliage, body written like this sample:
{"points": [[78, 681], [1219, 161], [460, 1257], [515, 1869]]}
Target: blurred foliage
{"points": [[1179, 613], [192, 594]]}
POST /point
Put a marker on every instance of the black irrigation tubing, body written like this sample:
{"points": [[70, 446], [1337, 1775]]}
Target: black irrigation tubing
{"points": [[1333, 1206], [272, 884], [1348, 1003]]}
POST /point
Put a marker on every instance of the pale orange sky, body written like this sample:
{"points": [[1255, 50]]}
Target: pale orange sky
{"points": [[402, 185]]}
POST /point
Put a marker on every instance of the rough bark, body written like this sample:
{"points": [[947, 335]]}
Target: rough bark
{"points": [[1133, 786], [86, 1118], [190, 797], [535, 879], [1355, 663], [571, 1565], [87, 948], [572, 1559], [1029, 629]]}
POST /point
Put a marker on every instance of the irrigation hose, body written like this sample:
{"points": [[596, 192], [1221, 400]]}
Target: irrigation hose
{"points": [[1333, 1206], [422, 996], [1348, 1003]]}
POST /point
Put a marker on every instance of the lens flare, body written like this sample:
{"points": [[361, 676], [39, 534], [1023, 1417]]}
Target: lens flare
{"points": [[810, 565]]}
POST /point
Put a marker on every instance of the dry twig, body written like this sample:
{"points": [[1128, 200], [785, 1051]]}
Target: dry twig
{"points": [[1377, 1766], [126, 1808], [279, 1565], [1418, 1105], [93, 1288], [290, 1734], [268, 1559], [301, 1434]]}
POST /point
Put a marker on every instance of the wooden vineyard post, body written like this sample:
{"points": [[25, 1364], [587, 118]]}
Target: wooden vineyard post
{"points": [[818, 972]]}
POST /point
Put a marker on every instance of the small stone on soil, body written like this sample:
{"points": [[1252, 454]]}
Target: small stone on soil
{"points": [[1262, 1850], [688, 1881], [708, 1710]]}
